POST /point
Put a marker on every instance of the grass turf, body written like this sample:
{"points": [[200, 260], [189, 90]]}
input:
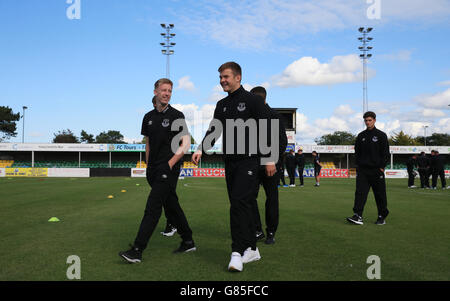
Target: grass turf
{"points": [[313, 242]]}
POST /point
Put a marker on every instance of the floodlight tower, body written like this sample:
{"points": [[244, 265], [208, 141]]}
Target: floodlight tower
{"points": [[365, 56], [167, 45]]}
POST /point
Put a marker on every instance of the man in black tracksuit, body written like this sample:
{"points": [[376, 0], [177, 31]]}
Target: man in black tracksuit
{"points": [[372, 155], [423, 164], [281, 169], [300, 158], [242, 159], [163, 156], [291, 163], [410, 165], [269, 183], [438, 171]]}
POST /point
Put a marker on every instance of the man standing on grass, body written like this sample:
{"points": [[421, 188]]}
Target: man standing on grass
{"points": [[300, 158], [410, 164], [291, 163], [423, 164], [167, 139], [241, 156], [438, 171], [372, 155], [270, 184], [317, 167]]}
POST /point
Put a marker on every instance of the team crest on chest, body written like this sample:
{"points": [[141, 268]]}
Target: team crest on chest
{"points": [[150, 122], [241, 106], [165, 123], [374, 138]]}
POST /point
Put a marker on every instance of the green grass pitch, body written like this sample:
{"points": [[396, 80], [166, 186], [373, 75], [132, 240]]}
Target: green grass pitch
{"points": [[313, 242]]}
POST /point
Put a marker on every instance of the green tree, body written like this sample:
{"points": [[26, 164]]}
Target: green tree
{"points": [[402, 139], [337, 138], [8, 123], [110, 137], [437, 139], [65, 136], [87, 138]]}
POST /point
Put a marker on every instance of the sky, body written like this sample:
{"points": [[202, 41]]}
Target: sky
{"points": [[91, 64]]}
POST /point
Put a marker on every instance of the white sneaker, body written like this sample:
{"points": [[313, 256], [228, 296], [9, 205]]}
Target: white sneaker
{"points": [[292, 185], [251, 255], [235, 264]]}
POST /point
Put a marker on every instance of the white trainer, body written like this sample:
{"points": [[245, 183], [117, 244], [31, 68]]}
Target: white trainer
{"points": [[235, 264], [251, 255]]}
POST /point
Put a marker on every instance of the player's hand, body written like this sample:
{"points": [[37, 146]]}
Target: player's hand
{"points": [[196, 157], [270, 169], [381, 169]]}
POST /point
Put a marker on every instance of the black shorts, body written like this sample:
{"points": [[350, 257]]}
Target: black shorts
{"points": [[317, 171]]}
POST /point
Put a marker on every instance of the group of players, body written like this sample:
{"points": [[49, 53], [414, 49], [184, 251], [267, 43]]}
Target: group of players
{"points": [[426, 166], [244, 172]]}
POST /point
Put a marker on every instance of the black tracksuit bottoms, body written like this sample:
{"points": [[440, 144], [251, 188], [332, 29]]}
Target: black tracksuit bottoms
{"points": [[280, 173], [424, 177], [411, 177], [163, 183], [291, 173], [441, 174], [300, 174], [241, 178], [366, 178], [270, 185]]}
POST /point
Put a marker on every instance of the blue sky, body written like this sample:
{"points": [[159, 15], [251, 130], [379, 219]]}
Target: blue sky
{"points": [[96, 73]]}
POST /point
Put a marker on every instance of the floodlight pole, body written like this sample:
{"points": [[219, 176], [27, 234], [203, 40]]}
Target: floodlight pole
{"points": [[365, 56], [167, 45], [23, 123], [425, 134]]}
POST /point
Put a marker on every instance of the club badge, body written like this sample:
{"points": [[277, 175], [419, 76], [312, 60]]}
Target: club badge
{"points": [[165, 123], [241, 106], [375, 139]]}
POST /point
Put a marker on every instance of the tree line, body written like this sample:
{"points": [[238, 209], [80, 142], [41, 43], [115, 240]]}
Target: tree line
{"points": [[8, 129]]}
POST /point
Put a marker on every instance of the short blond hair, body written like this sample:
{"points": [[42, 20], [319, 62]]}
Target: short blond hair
{"points": [[163, 81]]}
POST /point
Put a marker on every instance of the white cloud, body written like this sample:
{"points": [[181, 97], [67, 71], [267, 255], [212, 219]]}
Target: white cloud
{"points": [[343, 110], [185, 83], [308, 71], [444, 83], [259, 23], [216, 94], [439, 100], [401, 55]]}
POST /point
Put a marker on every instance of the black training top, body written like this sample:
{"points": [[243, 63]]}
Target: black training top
{"points": [[242, 105], [157, 126], [316, 161], [372, 149], [300, 160], [290, 161], [423, 162], [439, 165], [282, 138], [411, 163]]}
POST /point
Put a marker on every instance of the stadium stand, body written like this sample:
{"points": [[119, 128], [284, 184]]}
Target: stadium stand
{"points": [[6, 163]]}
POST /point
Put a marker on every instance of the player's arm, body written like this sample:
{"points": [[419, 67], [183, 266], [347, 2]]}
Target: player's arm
{"points": [[384, 153], [185, 144], [147, 149], [202, 147]]}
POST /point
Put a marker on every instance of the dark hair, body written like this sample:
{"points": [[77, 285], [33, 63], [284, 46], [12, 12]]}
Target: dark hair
{"points": [[235, 68], [314, 152], [260, 91], [422, 153], [370, 114], [163, 81], [154, 99], [436, 152]]}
